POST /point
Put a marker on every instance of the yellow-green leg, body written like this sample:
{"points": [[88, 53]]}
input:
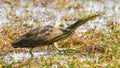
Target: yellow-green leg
{"points": [[30, 51], [56, 47], [64, 49]]}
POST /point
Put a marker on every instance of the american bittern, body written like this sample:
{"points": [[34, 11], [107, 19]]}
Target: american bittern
{"points": [[47, 35]]}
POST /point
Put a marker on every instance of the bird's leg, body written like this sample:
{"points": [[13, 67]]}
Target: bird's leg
{"points": [[64, 49], [30, 51], [56, 46]]}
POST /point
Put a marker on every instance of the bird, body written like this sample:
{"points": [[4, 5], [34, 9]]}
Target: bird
{"points": [[47, 35]]}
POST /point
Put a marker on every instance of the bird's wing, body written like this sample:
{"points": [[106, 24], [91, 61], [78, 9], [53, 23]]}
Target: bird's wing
{"points": [[42, 35]]}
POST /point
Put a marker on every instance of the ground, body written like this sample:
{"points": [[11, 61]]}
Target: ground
{"points": [[99, 38]]}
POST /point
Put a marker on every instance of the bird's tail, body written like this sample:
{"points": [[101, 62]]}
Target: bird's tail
{"points": [[82, 21]]}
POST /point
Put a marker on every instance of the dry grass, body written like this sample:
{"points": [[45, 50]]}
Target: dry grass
{"points": [[100, 46]]}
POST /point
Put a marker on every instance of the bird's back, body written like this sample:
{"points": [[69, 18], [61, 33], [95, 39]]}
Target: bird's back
{"points": [[40, 36]]}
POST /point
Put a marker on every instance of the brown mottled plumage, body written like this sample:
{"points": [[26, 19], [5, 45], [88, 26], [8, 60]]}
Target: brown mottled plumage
{"points": [[47, 35]]}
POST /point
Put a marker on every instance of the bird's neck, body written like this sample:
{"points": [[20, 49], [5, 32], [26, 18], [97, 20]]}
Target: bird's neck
{"points": [[81, 21]]}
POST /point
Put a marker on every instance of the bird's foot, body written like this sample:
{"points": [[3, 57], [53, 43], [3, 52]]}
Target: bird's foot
{"points": [[66, 49]]}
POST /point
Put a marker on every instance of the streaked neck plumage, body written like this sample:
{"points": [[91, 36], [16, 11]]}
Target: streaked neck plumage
{"points": [[81, 21]]}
